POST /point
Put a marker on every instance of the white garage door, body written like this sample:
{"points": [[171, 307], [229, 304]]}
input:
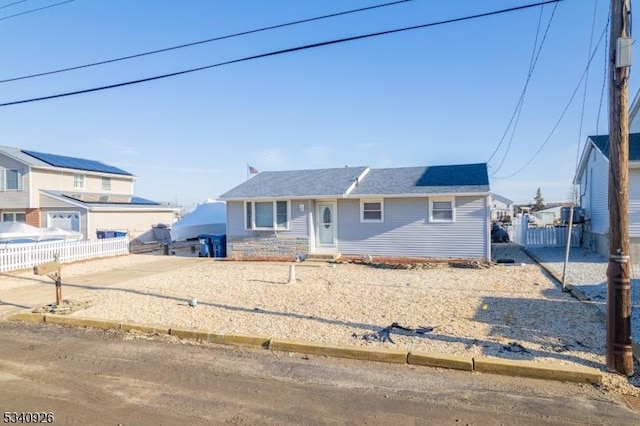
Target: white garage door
{"points": [[69, 221]]}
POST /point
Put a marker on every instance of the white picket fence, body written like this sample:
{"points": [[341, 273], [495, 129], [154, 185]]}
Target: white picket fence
{"points": [[555, 236], [24, 256]]}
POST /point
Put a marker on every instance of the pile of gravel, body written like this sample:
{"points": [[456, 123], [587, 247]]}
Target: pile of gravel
{"points": [[587, 271]]}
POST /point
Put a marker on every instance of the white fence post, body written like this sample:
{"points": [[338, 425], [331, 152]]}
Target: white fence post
{"points": [[28, 255]]}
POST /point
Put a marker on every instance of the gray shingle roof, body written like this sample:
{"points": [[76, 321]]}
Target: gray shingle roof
{"points": [[296, 183], [465, 178], [602, 142], [22, 157], [502, 199]]}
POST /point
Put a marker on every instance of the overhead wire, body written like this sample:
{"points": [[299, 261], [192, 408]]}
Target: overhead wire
{"points": [[506, 130], [532, 65], [564, 111], [279, 52], [12, 4], [586, 84], [209, 40], [34, 10]]}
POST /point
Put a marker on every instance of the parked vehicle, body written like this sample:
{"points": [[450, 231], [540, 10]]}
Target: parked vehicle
{"points": [[499, 234]]}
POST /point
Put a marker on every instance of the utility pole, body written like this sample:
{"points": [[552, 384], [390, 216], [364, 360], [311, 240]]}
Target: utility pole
{"points": [[619, 355]]}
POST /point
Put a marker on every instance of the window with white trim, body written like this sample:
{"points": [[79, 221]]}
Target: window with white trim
{"points": [[442, 209], [14, 217], [371, 210], [10, 180], [267, 215], [78, 181], [106, 184]]}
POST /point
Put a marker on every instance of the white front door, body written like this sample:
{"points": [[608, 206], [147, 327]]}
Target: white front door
{"points": [[326, 226]]}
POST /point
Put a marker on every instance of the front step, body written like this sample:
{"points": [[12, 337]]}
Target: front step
{"points": [[318, 257]]}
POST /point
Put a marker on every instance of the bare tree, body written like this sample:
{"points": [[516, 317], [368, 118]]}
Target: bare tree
{"points": [[573, 196]]}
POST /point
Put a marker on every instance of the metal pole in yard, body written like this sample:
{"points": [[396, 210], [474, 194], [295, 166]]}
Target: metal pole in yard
{"points": [[566, 253], [292, 274]]}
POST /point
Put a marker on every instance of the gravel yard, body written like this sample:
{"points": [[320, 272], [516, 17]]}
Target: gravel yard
{"points": [[514, 312], [587, 271]]}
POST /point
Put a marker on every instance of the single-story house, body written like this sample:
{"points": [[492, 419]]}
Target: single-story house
{"points": [[424, 212], [75, 194], [592, 176]]}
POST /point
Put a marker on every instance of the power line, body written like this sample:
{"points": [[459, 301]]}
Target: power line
{"points": [[278, 52], [564, 111], [586, 84], [11, 4], [195, 43], [34, 10], [532, 65]]}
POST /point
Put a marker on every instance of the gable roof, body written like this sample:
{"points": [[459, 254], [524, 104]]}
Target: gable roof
{"points": [[502, 199], [362, 181], [464, 178], [601, 143], [41, 159], [297, 183]]}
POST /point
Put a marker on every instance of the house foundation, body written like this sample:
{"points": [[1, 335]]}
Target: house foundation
{"points": [[266, 247], [600, 244]]}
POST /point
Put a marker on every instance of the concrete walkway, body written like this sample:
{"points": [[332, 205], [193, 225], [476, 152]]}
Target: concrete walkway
{"points": [[41, 293]]}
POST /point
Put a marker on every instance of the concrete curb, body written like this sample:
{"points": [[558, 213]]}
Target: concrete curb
{"points": [[430, 359], [246, 340], [536, 370], [82, 322], [479, 364], [144, 328], [27, 317], [351, 352]]}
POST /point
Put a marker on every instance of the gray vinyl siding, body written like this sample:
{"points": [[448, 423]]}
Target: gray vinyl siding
{"points": [[407, 232], [15, 199], [594, 192], [298, 222], [634, 203]]}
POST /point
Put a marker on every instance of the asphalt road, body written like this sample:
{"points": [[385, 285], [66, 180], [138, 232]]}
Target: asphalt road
{"points": [[95, 377]]}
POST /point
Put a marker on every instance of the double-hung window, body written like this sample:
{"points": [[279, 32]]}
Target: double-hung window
{"points": [[267, 215], [10, 180], [106, 184], [442, 209], [78, 181], [371, 211]]}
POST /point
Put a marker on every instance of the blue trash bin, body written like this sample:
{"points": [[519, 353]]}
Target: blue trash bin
{"points": [[212, 245]]}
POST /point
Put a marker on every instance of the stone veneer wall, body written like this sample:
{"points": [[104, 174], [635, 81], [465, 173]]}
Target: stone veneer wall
{"points": [[268, 246]]}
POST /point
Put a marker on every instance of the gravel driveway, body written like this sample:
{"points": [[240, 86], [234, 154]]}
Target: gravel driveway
{"points": [[587, 271]]}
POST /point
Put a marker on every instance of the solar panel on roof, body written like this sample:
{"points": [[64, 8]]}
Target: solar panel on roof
{"points": [[76, 163], [91, 198]]}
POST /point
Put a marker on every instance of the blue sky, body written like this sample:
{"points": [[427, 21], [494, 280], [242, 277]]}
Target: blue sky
{"points": [[432, 96]]}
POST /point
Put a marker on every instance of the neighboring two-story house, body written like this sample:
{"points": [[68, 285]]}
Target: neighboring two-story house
{"points": [[47, 190], [501, 208]]}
